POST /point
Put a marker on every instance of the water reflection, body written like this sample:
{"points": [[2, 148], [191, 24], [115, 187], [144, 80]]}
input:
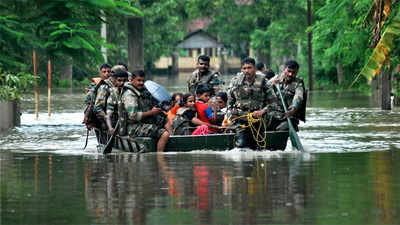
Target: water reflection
{"points": [[199, 189], [383, 186]]}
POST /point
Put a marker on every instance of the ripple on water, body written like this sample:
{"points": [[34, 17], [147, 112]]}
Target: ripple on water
{"points": [[326, 130]]}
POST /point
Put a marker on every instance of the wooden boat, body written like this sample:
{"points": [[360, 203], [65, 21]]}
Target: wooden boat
{"points": [[276, 140]]}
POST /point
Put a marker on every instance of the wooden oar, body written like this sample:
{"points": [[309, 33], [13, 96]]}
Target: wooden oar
{"points": [[109, 145], [294, 138]]}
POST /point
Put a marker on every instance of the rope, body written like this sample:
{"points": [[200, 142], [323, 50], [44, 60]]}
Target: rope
{"points": [[258, 137]]}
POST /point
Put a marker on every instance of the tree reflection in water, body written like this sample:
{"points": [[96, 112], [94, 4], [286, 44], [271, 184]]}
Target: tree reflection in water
{"points": [[167, 188], [200, 188]]}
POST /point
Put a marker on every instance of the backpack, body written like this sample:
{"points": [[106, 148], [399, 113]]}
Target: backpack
{"points": [[90, 118]]}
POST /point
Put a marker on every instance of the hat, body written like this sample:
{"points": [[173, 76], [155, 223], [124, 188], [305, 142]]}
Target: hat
{"points": [[119, 71]]}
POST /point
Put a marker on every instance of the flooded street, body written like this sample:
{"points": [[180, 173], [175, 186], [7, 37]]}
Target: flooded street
{"points": [[346, 175]]}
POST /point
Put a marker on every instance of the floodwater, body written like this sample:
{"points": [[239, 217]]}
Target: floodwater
{"points": [[345, 176]]}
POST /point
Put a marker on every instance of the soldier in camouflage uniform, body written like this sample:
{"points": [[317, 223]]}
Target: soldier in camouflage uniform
{"points": [[100, 105], [294, 94], [119, 76], [91, 92], [103, 93], [246, 94], [202, 75], [139, 117], [105, 72], [90, 118]]}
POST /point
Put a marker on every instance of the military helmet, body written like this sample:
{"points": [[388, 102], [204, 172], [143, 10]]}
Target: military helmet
{"points": [[119, 71]]}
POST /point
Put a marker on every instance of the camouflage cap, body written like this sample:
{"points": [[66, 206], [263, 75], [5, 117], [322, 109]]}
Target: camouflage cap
{"points": [[118, 68], [119, 71]]}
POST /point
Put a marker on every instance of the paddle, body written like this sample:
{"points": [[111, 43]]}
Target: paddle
{"points": [[109, 145], [294, 138]]}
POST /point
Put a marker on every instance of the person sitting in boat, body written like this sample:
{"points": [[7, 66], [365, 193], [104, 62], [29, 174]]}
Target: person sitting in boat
{"points": [[176, 99], [206, 109], [101, 100], [222, 99], [246, 100], [120, 63], [119, 76], [139, 117], [204, 76], [294, 94], [186, 121]]}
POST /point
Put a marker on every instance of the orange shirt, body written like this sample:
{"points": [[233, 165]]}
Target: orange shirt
{"points": [[172, 112]]}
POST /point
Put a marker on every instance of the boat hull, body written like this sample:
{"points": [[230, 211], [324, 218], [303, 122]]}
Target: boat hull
{"points": [[184, 143]]}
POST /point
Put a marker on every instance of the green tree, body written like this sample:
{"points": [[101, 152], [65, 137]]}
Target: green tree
{"points": [[163, 27], [384, 38], [57, 29], [337, 37]]}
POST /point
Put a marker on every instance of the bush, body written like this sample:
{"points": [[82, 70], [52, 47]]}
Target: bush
{"points": [[63, 83], [12, 86]]}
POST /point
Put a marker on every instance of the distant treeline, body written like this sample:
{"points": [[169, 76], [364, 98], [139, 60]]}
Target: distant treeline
{"points": [[68, 33]]}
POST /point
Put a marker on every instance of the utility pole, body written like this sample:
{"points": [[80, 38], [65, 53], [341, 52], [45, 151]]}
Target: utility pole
{"points": [[104, 36], [310, 69]]}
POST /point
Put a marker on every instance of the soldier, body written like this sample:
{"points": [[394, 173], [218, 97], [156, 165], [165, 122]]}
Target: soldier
{"points": [[102, 95], [105, 71], [119, 76], [246, 94], [90, 118], [100, 105], [139, 117], [202, 75], [294, 95]]}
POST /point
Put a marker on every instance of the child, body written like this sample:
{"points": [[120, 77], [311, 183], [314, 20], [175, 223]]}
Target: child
{"points": [[176, 98], [221, 99], [205, 112], [186, 121]]}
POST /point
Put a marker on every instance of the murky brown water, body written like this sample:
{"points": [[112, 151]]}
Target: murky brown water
{"points": [[346, 176]]}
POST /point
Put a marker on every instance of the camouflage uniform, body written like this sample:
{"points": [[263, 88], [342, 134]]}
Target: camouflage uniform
{"points": [[100, 104], [90, 116], [133, 103], [211, 78], [294, 96], [90, 90], [89, 93], [112, 105], [244, 98]]}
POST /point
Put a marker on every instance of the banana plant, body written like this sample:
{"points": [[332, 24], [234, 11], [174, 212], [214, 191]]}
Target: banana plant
{"points": [[381, 52], [13, 85]]}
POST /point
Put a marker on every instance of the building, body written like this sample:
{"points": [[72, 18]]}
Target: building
{"points": [[197, 43]]}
